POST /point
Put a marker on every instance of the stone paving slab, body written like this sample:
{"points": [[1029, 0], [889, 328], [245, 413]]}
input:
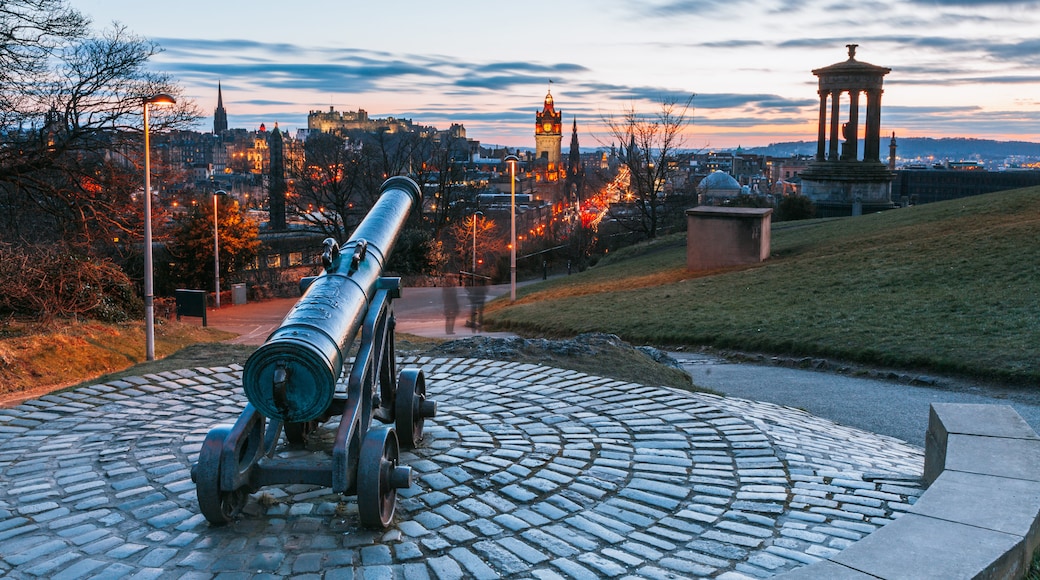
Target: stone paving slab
{"points": [[527, 472]]}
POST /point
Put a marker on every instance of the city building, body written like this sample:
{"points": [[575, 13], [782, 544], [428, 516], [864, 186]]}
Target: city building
{"points": [[220, 114], [548, 134], [340, 122]]}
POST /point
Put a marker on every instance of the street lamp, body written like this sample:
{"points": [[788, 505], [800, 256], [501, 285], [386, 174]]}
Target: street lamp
{"points": [[149, 298], [512, 160], [475, 214], [216, 245]]}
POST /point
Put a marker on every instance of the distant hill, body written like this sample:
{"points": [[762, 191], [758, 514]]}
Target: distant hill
{"points": [[954, 149]]}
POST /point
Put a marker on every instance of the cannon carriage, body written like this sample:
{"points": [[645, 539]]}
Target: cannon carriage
{"points": [[293, 384]]}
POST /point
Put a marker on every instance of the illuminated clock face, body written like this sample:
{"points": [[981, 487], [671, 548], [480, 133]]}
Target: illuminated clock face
{"points": [[547, 127]]}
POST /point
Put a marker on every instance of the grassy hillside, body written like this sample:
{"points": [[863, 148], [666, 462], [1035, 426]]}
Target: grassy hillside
{"points": [[953, 287], [36, 358]]}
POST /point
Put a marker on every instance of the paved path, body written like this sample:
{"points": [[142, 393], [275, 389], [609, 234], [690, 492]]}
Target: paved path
{"points": [[419, 311], [879, 406], [528, 472]]}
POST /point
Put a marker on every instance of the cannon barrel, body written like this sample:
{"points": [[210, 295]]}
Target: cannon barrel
{"points": [[293, 375]]}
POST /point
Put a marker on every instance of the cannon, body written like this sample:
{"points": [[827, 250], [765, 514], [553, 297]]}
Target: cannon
{"points": [[293, 384]]}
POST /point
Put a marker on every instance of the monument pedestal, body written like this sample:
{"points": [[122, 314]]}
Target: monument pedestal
{"points": [[843, 188]]}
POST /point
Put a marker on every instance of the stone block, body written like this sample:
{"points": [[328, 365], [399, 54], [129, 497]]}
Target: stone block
{"points": [[925, 548], [981, 419], [945, 419], [1018, 458], [995, 503], [718, 237]]}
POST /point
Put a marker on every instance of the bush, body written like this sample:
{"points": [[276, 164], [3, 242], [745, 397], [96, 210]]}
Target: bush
{"points": [[55, 282], [795, 207]]}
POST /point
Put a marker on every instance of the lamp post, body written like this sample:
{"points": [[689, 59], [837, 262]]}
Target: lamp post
{"points": [[149, 298], [475, 214], [216, 246], [512, 160]]}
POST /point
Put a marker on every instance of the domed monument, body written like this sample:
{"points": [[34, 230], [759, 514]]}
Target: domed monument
{"points": [[840, 182], [717, 187]]}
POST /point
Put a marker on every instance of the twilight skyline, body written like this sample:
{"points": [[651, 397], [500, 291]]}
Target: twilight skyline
{"points": [[959, 69]]}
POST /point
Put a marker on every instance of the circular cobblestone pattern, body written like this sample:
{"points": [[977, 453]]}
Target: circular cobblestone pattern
{"points": [[526, 472]]}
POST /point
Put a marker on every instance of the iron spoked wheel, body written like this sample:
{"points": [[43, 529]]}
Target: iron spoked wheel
{"points": [[379, 477], [412, 408], [296, 433], [217, 505]]}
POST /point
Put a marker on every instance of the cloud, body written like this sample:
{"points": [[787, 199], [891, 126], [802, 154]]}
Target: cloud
{"points": [[975, 3], [978, 80], [488, 95], [749, 121]]}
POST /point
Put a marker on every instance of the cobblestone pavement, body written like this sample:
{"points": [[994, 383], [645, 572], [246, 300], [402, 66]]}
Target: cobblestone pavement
{"points": [[526, 472]]}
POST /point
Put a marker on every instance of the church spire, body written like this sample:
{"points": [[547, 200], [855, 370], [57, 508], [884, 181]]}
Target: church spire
{"points": [[574, 158], [219, 115], [575, 169]]}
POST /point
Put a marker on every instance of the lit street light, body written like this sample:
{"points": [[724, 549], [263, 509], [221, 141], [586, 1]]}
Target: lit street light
{"points": [[149, 298], [512, 160], [475, 214], [216, 245]]}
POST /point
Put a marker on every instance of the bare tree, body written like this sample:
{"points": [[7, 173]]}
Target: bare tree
{"points": [[453, 198], [31, 32], [650, 143], [332, 188], [71, 122]]}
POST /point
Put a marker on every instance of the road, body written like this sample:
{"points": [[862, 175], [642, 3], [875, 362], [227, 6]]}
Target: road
{"points": [[879, 406]]}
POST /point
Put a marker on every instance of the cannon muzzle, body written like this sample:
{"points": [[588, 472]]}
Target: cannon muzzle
{"points": [[293, 376]]}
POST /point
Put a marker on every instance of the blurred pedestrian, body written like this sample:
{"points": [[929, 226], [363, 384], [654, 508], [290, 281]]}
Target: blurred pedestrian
{"points": [[450, 297], [477, 295]]}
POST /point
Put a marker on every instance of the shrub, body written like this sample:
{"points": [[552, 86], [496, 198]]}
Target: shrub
{"points": [[55, 282], [795, 207]]}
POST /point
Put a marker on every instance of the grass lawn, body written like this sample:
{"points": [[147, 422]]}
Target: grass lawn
{"points": [[950, 287]]}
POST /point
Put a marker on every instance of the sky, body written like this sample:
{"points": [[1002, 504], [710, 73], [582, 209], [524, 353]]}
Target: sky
{"points": [[963, 68]]}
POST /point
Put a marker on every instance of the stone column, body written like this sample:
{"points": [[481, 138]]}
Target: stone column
{"points": [[835, 113], [821, 138], [872, 138]]}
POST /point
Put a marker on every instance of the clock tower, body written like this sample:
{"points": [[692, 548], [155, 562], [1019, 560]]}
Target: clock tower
{"points": [[548, 132]]}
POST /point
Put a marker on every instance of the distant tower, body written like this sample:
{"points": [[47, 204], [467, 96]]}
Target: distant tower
{"points": [[219, 115], [575, 169], [840, 182], [276, 189], [548, 133], [892, 153]]}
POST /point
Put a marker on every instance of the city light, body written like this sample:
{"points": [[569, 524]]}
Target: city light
{"points": [[149, 294], [216, 246], [512, 160]]}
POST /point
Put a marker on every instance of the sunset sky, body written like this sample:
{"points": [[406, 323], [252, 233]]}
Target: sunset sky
{"points": [[959, 69]]}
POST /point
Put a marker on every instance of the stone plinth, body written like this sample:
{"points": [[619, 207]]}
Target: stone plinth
{"points": [[717, 237], [839, 188]]}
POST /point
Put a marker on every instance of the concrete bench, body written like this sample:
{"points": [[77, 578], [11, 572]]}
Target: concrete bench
{"points": [[979, 517]]}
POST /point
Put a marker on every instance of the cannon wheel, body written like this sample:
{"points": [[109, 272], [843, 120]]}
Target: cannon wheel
{"points": [[218, 506], [296, 433], [376, 497], [411, 394]]}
